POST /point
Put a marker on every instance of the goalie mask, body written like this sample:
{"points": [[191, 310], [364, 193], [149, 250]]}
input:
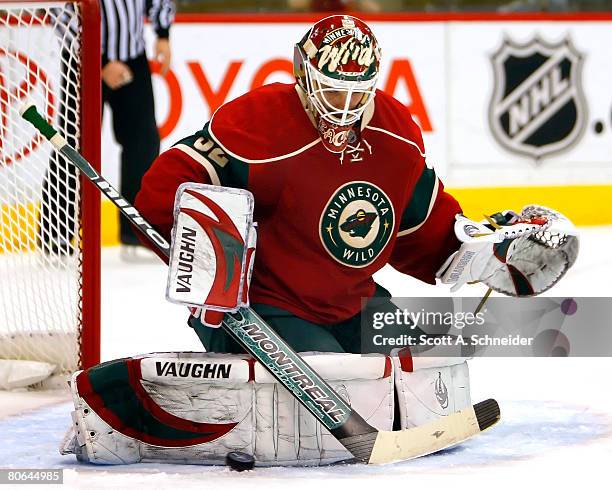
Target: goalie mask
{"points": [[336, 64]]}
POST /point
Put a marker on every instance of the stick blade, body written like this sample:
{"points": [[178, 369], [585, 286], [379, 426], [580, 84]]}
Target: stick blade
{"points": [[444, 432]]}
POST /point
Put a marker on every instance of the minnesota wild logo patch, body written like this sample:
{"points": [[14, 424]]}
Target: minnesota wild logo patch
{"points": [[356, 223]]}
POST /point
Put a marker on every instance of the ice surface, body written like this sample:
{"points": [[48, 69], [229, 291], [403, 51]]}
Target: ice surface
{"points": [[556, 428]]}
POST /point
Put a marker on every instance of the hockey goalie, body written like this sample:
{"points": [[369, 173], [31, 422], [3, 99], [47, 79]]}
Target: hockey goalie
{"points": [[334, 173]]}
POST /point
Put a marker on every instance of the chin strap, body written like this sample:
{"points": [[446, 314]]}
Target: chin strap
{"points": [[352, 144]]}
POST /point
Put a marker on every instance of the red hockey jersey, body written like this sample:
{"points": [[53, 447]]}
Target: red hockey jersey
{"points": [[326, 222]]}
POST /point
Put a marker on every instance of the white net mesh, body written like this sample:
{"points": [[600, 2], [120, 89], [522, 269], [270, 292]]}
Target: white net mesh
{"points": [[40, 251]]}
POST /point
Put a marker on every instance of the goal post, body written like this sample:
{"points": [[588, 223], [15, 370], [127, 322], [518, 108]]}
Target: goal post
{"points": [[49, 214], [91, 148]]}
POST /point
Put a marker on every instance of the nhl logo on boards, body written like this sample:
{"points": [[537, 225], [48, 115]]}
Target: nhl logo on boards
{"points": [[356, 223], [538, 107]]}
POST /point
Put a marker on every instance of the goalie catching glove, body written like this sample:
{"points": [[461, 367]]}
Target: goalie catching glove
{"points": [[515, 254]]}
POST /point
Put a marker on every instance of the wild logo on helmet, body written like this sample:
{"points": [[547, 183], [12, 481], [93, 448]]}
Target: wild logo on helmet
{"points": [[356, 223], [336, 55]]}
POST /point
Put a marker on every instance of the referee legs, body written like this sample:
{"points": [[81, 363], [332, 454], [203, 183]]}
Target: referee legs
{"points": [[135, 129]]}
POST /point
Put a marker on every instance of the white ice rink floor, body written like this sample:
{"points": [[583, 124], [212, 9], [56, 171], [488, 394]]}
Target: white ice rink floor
{"points": [[555, 432]]}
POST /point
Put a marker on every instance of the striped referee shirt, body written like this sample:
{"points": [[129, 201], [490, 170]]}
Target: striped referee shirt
{"points": [[122, 26]]}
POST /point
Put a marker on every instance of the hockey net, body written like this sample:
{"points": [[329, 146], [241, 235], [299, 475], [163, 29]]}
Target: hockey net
{"points": [[49, 219]]}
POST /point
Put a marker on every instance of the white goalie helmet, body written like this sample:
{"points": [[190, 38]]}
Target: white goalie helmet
{"points": [[336, 64]]}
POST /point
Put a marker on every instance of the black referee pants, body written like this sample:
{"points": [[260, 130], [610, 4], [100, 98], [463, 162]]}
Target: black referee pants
{"points": [[133, 114], [135, 129]]}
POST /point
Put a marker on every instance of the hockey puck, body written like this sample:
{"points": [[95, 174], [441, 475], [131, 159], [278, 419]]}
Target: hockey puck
{"points": [[239, 461]]}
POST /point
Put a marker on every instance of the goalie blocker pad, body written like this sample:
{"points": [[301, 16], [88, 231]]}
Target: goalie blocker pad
{"points": [[196, 407], [212, 250]]}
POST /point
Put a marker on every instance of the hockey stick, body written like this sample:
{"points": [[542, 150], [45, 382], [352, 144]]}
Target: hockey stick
{"points": [[367, 444]]}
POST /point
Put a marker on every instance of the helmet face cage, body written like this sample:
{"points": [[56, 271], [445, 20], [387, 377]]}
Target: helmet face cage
{"points": [[337, 101], [337, 64]]}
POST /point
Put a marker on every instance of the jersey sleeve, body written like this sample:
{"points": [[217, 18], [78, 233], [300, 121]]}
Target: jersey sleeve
{"points": [[426, 236], [196, 158], [161, 15]]}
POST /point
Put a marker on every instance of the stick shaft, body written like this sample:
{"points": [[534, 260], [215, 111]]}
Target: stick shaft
{"points": [[31, 115], [483, 301]]}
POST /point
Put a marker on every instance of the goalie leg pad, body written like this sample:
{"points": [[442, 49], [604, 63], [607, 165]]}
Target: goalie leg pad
{"points": [[429, 387], [195, 408]]}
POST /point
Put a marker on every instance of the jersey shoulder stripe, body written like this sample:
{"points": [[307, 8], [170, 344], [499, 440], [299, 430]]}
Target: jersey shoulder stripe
{"points": [[401, 138], [201, 159], [266, 160]]}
